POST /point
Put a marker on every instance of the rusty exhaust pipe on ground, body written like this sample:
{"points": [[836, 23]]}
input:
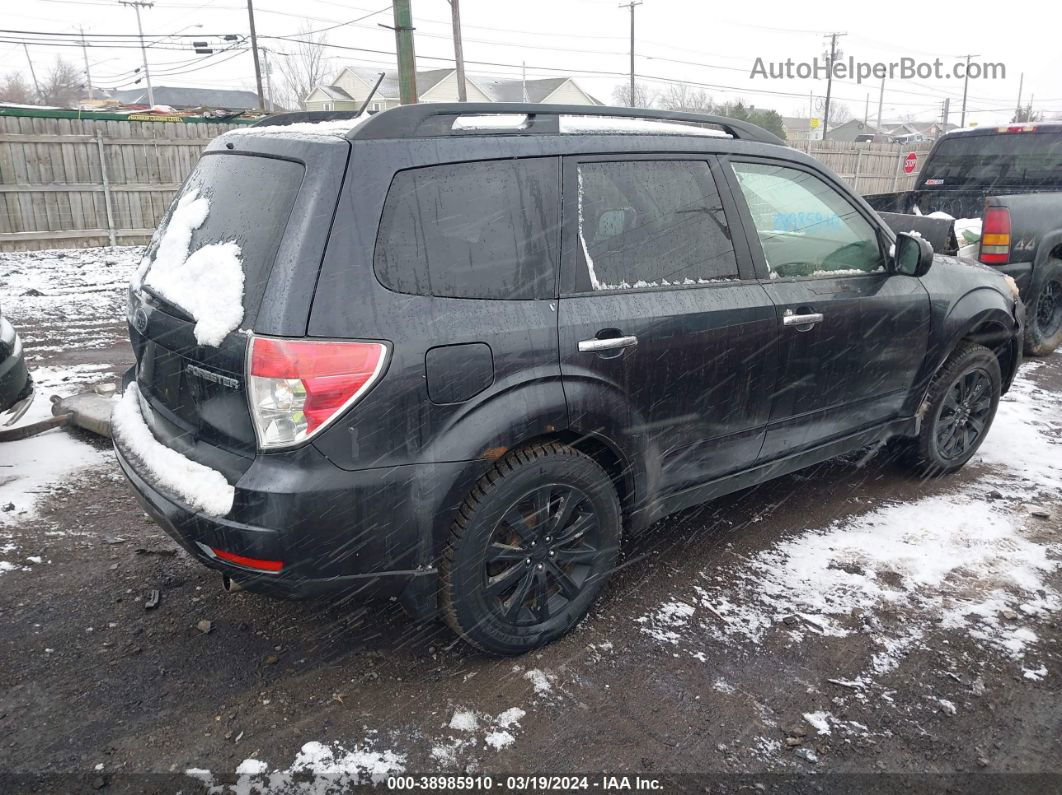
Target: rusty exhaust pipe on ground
{"points": [[230, 585]]}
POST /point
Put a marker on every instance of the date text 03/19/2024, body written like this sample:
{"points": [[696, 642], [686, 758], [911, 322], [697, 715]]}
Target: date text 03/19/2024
{"points": [[604, 783]]}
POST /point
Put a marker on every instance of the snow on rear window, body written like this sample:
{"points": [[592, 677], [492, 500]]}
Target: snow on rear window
{"points": [[203, 488], [214, 255], [206, 283]]}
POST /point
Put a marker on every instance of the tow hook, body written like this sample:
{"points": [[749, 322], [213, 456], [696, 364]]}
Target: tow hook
{"points": [[230, 585]]}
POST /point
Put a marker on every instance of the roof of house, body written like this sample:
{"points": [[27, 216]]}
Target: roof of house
{"points": [[499, 90], [333, 92], [513, 90], [427, 79], [179, 97]]}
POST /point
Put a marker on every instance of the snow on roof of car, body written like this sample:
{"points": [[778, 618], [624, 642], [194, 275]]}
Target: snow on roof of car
{"points": [[616, 125], [331, 127]]}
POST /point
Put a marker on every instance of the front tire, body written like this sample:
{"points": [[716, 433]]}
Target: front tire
{"points": [[1043, 328], [959, 408], [531, 549]]}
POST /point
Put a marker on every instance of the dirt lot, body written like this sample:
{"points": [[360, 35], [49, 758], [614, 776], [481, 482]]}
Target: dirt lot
{"points": [[844, 621]]}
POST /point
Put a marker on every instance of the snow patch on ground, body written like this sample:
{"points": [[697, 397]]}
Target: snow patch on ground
{"points": [[31, 467], [956, 561], [820, 721], [203, 488], [81, 291], [541, 681], [464, 721]]}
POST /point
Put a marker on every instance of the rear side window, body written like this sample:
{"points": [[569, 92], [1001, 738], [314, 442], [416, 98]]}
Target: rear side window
{"points": [[652, 223], [472, 230]]}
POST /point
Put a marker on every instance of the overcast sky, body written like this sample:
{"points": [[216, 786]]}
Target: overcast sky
{"points": [[713, 45]]}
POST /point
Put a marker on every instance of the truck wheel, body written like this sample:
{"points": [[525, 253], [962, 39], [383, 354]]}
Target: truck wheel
{"points": [[959, 408], [1043, 325], [531, 549]]}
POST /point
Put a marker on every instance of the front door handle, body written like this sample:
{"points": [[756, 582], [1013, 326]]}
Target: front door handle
{"points": [[607, 344], [802, 322]]}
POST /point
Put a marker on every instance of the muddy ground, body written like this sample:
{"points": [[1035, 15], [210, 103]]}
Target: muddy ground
{"points": [[96, 691]]}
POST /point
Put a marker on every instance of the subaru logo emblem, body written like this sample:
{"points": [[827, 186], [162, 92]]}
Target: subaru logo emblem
{"points": [[140, 319]]}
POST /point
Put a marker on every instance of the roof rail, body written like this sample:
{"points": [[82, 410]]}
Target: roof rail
{"points": [[436, 119], [304, 116]]}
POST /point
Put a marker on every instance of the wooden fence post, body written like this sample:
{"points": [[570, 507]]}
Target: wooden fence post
{"points": [[896, 171], [858, 168], [106, 189]]}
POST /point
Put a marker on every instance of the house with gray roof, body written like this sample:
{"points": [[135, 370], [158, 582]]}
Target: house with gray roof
{"points": [[353, 84]]}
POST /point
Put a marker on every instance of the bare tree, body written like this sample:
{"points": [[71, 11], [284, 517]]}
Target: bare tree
{"points": [[839, 112], [679, 96], [643, 96], [14, 88], [62, 86], [302, 68]]}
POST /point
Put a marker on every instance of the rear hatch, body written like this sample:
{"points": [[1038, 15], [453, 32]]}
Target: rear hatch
{"points": [[274, 198]]}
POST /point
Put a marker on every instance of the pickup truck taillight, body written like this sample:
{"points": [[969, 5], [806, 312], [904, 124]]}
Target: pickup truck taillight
{"points": [[297, 387], [995, 236]]}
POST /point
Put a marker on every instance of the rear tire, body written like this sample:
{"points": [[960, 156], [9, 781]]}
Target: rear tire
{"points": [[959, 408], [531, 549], [1043, 323]]}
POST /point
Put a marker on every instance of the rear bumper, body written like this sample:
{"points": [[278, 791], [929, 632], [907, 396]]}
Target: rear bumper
{"points": [[358, 532]]}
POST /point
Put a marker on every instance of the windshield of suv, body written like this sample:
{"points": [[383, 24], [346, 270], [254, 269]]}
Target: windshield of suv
{"points": [[1017, 159]]}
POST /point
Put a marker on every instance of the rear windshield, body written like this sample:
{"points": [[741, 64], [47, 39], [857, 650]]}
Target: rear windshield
{"points": [[982, 161], [250, 201]]}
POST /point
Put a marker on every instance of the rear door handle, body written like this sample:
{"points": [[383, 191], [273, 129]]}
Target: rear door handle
{"points": [[791, 319], [608, 344]]}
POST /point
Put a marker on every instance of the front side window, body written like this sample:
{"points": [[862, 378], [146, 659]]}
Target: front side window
{"points": [[652, 223], [806, 228], [472, 230]]}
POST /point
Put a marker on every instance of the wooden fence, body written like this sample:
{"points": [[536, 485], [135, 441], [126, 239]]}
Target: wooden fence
{"points": [[73, 183], [868, 168], [76, 183]]}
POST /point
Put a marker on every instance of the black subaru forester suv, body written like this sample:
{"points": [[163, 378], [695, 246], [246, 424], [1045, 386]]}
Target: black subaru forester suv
{"points": [[453, 352]]}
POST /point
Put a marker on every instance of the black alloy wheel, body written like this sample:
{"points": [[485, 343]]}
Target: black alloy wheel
{"points": [[540, 554]]}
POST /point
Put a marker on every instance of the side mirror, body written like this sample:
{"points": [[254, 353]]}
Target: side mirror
{"points": [[914, 255]]}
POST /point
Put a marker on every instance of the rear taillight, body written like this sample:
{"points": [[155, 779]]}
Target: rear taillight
{"points": [[297, 387], [995, 236]]}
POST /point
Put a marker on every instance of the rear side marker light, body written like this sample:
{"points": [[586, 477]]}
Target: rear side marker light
{"points": [[298, 387], [995, 236], [271, 566]]}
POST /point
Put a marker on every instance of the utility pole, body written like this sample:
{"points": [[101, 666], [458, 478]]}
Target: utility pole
{"points": [[137, 4], [84, 52], [459, 53], [268, 81], [254, 54], [523, 79], [881, 101], [946, 114], [866, 111], [33, 74], [407, 59], [1021, 85], [829, 81], [631, 5], [966, 85]]}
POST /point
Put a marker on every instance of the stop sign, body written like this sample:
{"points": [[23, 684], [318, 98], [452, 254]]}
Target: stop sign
{"points": [[909, 163]]}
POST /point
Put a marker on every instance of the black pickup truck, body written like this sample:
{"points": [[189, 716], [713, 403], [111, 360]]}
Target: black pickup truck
{"points": [[1011, 178]]}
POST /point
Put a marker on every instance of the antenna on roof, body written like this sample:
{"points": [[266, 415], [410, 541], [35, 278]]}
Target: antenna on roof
{"points": [[372, 93]]}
